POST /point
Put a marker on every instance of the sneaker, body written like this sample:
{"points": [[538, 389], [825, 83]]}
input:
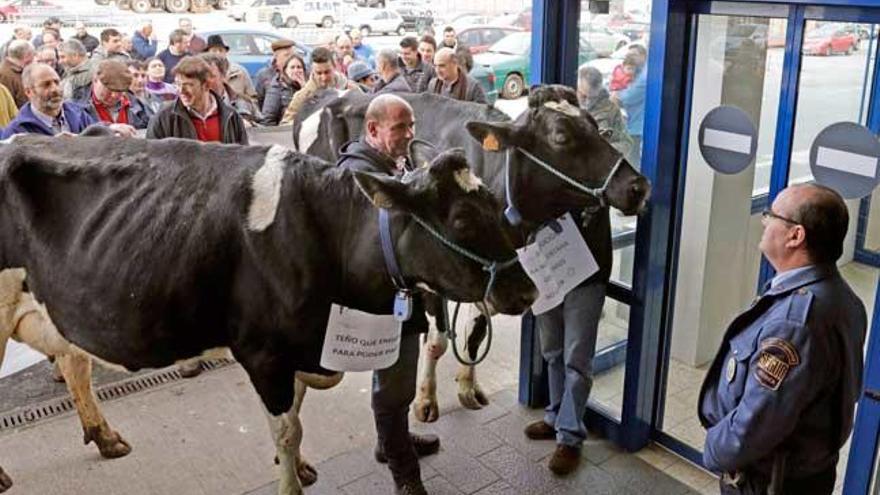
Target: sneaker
{"points": [[190, 369], [539, 430], [565, 459], [424, 445], [409, 487]]}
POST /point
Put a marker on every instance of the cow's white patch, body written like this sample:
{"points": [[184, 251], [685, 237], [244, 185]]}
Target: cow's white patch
{"points": [[308, 133], [266, 190], [10, 139], [564, 107], [467, 180]]}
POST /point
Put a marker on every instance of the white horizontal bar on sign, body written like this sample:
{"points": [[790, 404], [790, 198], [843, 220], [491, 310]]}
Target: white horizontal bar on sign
{"points": [[729, 141], [846, 161]]}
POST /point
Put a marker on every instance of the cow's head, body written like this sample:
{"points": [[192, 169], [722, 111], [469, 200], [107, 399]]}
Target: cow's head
{"points": [[562, 135], [454, 202]]}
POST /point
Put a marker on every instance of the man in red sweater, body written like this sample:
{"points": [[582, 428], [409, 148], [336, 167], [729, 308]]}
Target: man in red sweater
{"points": [[197, 113]]}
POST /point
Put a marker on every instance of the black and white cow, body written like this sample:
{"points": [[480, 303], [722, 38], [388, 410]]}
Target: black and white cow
{"points": [[143, 253], [552, 128]]}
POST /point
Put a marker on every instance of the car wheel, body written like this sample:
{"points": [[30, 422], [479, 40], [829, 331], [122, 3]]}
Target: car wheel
{"points": [[513, 87], [327, 22], [365, 31], [223, 4], [141, 6], [199, 5], [177, 6], [291, 22], [401, 30], [99, 2], [123, 4]]}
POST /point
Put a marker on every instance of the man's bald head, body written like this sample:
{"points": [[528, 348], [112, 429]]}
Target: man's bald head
{"points": [[446, 65], [389, 125], [384, 105]]}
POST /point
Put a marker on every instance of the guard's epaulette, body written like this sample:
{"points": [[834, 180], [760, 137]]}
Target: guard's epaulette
{"points": [[799, 302]]}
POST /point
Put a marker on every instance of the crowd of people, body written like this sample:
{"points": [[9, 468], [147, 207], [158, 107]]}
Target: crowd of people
{"points": [[49, 84]]}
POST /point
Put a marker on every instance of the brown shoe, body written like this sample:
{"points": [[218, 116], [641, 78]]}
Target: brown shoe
{"points": [[539, 430], [565, 459]]}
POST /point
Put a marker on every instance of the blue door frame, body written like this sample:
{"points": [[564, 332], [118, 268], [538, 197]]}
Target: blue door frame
{"points": [[672, 40]]}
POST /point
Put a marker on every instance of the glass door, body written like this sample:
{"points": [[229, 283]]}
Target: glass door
{"points": [[788, 73]]}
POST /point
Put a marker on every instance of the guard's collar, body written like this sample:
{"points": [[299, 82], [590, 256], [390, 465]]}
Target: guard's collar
{"points": [[812, 274]]}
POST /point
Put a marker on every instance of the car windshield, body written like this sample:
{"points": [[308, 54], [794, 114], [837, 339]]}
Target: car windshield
{"points": [[513, 44]]}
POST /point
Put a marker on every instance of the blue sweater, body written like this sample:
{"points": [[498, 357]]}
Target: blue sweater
{"points": [[170, 60], [28, 123], [143, 47]]}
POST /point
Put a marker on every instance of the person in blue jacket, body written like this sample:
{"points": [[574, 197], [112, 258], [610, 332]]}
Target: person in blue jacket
{"points": [[143, 42], [632, 101], [778, 400], [46, 112]]}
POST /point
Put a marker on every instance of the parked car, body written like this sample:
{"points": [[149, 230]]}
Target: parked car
{"points": [[369, 21], [602, 39], [35, 11], [478, 39], [290, 13], [510, 60], [173, 6], [606, 65], [413, 21], [829, 39], [485, 75], [252, 48], [467, 19]]}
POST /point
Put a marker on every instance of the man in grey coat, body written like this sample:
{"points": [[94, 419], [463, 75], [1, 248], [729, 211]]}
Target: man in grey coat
{"points": [[392, 79]]}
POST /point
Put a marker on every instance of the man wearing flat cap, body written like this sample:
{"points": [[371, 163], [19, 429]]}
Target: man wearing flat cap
{"points": [[110, 100], [281, 51], [237, 76]]}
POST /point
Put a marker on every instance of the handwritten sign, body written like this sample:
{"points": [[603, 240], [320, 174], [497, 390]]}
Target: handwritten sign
{"points": [[358, 341], [557, 263]]}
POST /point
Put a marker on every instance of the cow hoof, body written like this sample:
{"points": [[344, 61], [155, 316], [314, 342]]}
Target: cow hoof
{"points": [[427, 411], [5, 481], [473, 398], [307, 473], [110, 445]]}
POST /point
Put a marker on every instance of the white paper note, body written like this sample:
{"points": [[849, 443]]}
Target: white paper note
{"points": [[358, 341], [557, 263]]}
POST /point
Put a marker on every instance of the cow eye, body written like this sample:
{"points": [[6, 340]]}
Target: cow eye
{"points": [[560, 138], [460, 223]]}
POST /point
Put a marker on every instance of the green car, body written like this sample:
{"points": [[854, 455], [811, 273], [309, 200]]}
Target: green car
{"points": [[510, 59]]}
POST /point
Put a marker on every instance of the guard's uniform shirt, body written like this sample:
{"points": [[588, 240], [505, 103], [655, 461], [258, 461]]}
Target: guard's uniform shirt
{"points": [[786, 378]]}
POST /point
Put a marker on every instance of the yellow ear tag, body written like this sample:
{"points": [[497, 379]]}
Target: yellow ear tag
{"points": [[490, 143]]}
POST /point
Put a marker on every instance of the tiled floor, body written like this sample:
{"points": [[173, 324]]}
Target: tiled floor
{"points": [[485, 452]]}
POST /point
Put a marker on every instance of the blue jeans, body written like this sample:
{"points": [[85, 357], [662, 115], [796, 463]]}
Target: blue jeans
{"points": [[394, 389], [568, 342]]}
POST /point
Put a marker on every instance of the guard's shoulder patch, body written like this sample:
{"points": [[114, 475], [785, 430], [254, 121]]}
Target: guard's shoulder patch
{"points": [[777, 357]]}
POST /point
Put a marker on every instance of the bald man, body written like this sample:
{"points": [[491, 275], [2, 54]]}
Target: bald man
{"points": [[779, 399], [388, 129], [451, 79]]}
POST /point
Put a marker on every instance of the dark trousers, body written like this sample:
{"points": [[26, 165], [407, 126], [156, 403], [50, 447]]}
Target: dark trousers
{"points": [[821, 483], [394, 389]]}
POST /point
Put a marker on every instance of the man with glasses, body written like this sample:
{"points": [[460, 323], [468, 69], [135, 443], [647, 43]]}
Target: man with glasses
{"points": [[779, 398]]}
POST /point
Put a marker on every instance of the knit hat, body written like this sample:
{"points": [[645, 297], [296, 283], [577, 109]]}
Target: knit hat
{"points": [[359, 70]]}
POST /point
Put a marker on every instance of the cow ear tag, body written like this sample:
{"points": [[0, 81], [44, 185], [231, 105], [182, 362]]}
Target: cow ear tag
{"points": [[490, 143], [402, 306]]}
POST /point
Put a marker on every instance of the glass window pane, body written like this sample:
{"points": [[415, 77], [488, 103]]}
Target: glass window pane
{"points": [[718, 259], [609, 362]]}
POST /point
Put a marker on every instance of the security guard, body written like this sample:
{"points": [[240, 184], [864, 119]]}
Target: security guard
{"points": [[778, 400]]}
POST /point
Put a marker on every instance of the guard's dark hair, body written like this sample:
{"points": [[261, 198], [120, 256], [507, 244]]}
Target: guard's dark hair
{"points": [[825, 219], [321, 55]]}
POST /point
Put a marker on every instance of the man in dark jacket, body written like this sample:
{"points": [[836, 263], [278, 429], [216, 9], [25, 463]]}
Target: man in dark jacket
{"points": [[281, 51], [88, 41], [110, 100], [18, 55], [46, 112], [388, 130], [411, 62], [391, 79], [197, 113], [452, 79]]}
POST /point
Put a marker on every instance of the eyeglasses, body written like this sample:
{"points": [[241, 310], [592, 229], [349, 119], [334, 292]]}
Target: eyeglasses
{"points": [[768, 213]]}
